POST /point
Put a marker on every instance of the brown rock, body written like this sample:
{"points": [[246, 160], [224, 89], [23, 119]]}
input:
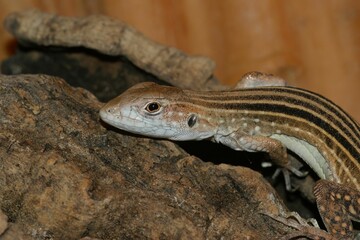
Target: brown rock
{"points": [[65, 176], [3, 222]]}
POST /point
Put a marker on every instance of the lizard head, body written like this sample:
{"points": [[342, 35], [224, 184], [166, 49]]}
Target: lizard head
{"points": [[157, 111]]}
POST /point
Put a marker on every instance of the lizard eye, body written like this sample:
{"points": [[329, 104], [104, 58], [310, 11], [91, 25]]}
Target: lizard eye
{"points": [[192, 120], [153, 107]]}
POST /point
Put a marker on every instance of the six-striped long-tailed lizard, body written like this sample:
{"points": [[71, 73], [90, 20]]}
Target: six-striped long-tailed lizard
{"points": [[261, 114]]}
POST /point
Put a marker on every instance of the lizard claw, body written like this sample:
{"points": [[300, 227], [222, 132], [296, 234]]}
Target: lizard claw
{"points": [[305, 228], [293, 166]]}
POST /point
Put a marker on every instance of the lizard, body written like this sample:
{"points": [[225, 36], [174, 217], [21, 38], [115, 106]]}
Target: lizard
{"points": [[261, 114]]}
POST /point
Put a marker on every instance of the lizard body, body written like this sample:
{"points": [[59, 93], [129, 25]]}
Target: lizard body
{"points": [[261, 116]]}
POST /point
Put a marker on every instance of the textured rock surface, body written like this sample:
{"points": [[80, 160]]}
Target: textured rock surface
{"points": [[65, 176], [3, 222]]}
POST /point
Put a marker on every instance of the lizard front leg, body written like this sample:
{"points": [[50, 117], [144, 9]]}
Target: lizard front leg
{"points": [[276, 150], [239, 141]]}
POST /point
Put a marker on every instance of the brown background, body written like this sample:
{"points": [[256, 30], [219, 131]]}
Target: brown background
{"points": [[315, 44]]}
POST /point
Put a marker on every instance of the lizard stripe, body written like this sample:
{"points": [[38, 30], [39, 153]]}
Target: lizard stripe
{"points": [[332, 135], [313, 100], [327, 115]]}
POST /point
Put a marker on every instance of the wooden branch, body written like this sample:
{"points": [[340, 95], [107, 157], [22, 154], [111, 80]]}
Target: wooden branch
{"points": [[114, 38]]}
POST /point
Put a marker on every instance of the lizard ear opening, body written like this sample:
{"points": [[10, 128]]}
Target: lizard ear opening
{"points": [[192, 120]]}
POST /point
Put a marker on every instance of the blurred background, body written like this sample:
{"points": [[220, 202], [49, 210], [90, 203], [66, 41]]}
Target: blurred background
{"points": [[314, 44]]}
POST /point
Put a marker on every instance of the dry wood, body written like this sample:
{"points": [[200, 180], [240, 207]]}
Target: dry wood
{"points": [[114, 38]]}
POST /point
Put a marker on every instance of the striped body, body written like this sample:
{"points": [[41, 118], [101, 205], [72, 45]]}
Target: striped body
{"points": [[311, 126], [298, 118], [271, 118]]}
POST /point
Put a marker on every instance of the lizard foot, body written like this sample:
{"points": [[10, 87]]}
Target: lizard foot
{"points": [[306, 229], [292, 167]]}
